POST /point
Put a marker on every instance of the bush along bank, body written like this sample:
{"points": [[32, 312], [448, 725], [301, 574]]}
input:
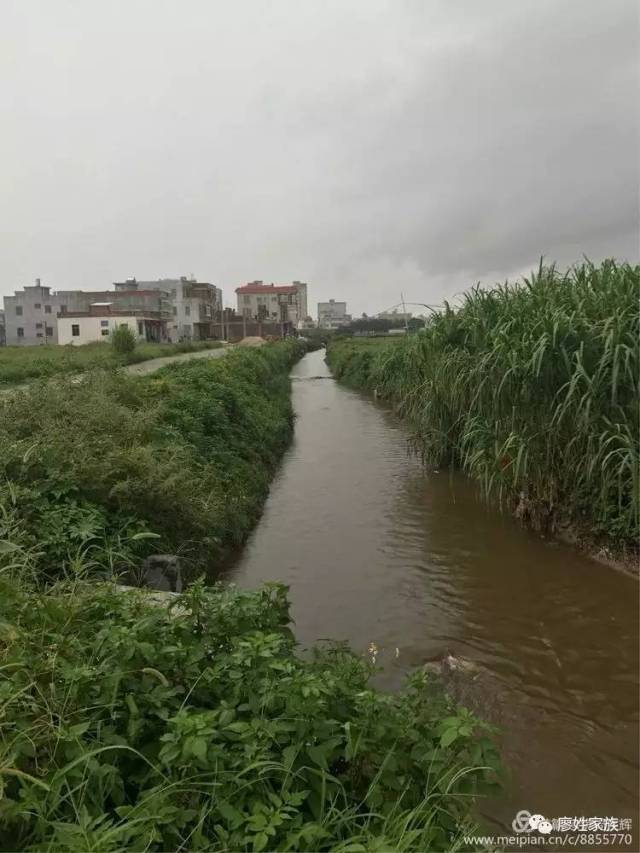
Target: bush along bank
{"points": [[128, 725], [108, 469], [531, 389]]}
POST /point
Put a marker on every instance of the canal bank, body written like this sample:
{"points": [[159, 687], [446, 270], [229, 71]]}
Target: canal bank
{"points": [[376, 550]]}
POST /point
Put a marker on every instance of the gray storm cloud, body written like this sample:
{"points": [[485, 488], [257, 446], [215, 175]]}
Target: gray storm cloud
{"points": [[366, 147]]}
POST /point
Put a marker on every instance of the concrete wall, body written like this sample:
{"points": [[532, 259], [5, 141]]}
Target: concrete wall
{"points": [[236, 330], [234, 327], [92, 329], [140, 300]]}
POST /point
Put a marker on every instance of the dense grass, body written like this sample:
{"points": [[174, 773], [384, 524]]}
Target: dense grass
{"points": [[92, 469], [532, 389], [20, 364]]}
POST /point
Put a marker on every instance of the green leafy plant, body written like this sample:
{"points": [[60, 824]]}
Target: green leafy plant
{"points": [[195, 726]]}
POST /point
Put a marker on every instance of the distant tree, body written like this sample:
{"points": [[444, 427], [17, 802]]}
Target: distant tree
{"points": [[123, 340], [370, 324]]}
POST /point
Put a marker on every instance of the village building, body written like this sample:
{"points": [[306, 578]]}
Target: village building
{"points": [[281, 303], [102, 318]]}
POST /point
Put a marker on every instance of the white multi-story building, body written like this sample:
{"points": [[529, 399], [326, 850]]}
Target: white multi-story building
{"points": [[280, 303], [333, 315], [196, 306]]}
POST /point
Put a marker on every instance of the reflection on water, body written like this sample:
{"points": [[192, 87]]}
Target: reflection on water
{"points": [[376, 549]]}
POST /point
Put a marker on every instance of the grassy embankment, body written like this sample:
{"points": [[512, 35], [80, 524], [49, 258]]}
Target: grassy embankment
{"points": [[127, 726], [186, 454], [532, 389], [21, 364]]}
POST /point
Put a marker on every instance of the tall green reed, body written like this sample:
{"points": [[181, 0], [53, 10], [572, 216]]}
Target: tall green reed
{"points": [[531, 388]]}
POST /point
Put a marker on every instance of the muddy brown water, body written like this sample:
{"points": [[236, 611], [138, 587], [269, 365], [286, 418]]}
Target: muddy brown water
{"points": [[376, 549]]}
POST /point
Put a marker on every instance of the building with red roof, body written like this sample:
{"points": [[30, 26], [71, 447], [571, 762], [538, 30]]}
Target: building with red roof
{"points": [[282, 303]]}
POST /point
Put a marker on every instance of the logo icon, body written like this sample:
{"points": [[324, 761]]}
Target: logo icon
{"points": [[524, 821]]}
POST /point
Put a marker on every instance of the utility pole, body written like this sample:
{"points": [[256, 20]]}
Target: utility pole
{"points": [[404, 312]]}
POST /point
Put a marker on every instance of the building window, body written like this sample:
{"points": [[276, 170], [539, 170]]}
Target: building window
{"points": [[49, 331], [18, 310], [38, 334], [140, 327], [20, 332], [247, 300], [104, 332], [47, 309], [37, 306], [187, 311], [75, 330], [175, 310], [63, 308], [38, 325], [104, 323]]}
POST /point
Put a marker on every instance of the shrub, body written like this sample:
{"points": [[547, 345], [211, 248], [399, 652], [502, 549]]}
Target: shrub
{"points": [[123, 340]]}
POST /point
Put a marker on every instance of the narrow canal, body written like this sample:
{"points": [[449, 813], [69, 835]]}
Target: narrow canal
{"points": [[375, 549]]}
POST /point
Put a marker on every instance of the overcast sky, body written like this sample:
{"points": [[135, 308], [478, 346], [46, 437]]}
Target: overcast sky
{"points": [[368, 147]]}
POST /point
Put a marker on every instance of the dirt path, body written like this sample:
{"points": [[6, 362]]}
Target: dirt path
{"points": [[142, 368], [153, 364]]}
